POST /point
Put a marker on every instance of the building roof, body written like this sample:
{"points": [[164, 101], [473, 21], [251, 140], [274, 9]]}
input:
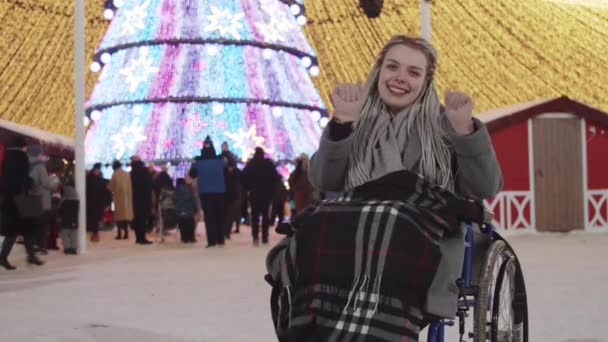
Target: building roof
{"points": [[501, 52], [503, 117]]}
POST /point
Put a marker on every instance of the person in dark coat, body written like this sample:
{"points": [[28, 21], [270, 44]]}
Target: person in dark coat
{"points": [[260, 178], [95, 200], [232, 177], [15, 180], [164, 185], [278, 202], [141, 181], [68, 213], [185, 207], [303, 192], [209, 171]]}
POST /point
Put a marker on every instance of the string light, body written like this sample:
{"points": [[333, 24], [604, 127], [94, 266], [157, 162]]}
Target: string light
{"points": [[323, 122], [95, 67], [217, 108], [295, 9], [105, 58], [267, 54], [212, 50], [306, 61], [95, 115], [254, 91], [108, 14], [314, 71], [525, 64], [277, 112]]}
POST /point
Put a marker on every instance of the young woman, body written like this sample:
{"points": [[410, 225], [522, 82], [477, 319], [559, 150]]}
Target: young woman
{"points": [[372, 264], [396, 122]]}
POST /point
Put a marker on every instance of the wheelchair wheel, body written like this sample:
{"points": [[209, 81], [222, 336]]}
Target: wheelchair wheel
{"points": [[500, 313]]}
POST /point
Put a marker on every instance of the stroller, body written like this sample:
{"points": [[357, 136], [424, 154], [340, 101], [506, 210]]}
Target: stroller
{"points": [[168, 214]]}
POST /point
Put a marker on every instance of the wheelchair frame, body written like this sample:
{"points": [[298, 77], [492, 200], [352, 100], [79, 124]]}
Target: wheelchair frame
{"points": [[436, 330]]}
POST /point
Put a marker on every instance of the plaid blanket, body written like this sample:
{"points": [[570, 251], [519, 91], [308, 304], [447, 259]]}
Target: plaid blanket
{"points": [[358, 268]]}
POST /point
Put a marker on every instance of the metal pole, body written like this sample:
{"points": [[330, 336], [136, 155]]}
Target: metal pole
{"points": [[425, 19], [79, 87]]}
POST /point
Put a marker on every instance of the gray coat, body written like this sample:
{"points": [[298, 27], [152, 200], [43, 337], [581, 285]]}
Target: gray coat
{"points": [[478, 176], [42, 183]]}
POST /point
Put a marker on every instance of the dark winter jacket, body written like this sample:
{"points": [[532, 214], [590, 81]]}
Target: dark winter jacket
{"points": [[15, 180], [68, 210], [95, 200], [164, 182], [184, 201], [259, 178], [141, 181]]}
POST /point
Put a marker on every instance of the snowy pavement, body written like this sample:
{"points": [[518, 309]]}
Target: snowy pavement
{"points": [[171, 292]]}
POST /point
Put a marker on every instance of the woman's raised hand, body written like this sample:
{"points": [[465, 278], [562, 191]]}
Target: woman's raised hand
{"points": [[459, 108], [347, 99]]}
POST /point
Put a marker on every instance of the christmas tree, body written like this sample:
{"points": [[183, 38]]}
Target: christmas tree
{"points": [[175, 71]]}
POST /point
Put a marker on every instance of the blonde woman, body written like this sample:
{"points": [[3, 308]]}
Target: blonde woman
{"points": [[372, 264], [396, 122]]}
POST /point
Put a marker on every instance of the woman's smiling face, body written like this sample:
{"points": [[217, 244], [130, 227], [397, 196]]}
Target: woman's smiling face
{"points": [[402, 77]]}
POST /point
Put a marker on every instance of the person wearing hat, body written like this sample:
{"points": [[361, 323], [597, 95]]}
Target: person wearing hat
{"points": [[42, 184], [209, 171], [122, 193], [95, 188], [260, 178], [142, 185], [15, 180]]}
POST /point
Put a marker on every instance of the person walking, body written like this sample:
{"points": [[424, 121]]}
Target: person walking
{"points": [[15, 181], [260, 178], [122, 194], [209, 172]]}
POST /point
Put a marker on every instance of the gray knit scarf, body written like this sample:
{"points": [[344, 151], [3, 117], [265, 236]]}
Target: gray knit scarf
{"points": [[385, 143]]}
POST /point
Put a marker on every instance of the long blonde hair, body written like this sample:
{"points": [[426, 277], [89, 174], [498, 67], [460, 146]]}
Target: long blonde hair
{"points": [[435, 163]]}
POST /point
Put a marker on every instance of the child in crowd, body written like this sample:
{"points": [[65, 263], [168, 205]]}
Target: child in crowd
{"points": [[186, 208], [68, 214]]}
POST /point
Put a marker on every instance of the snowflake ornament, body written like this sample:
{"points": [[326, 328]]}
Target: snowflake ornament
{"points": [[271, 31], [127, 139], [135, 19], [225, 22], [138, 70], [277, 25], [247, 141]]}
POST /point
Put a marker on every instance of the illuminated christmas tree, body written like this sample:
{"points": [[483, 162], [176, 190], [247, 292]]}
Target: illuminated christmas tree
{"points": [[175, 71]]}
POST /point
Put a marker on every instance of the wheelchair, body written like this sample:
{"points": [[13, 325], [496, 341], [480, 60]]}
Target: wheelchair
{"points": [[492, 300], [492, 304]]}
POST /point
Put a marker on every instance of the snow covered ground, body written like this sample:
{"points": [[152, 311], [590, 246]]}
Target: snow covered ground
{"points": [[184, 293]]}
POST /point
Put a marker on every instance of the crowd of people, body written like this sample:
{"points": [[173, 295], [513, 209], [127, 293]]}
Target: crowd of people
{"points": [[37, 201], [215, 191]]}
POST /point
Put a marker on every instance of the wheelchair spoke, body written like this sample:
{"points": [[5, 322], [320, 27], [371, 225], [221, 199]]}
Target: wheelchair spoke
{"points": [[505, 322], [498, 316]]}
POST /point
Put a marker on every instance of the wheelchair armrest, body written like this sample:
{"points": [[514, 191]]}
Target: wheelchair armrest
{"points": [[488, 216]]}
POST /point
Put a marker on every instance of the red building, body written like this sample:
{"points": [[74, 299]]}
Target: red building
{"points": [[554, 159]]}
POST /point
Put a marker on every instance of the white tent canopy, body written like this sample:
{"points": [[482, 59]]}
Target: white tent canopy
{"points": [[35, 133]]}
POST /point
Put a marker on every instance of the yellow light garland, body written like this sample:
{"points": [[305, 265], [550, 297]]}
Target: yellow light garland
{"points": [[501, 52], [36, 61]]}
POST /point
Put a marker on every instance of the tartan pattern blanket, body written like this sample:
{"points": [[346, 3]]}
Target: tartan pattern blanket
{"points": [[357, 268]]}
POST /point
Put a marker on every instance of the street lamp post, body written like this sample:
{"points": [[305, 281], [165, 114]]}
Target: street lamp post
{"points": [[79, 86], [425, 19]]}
